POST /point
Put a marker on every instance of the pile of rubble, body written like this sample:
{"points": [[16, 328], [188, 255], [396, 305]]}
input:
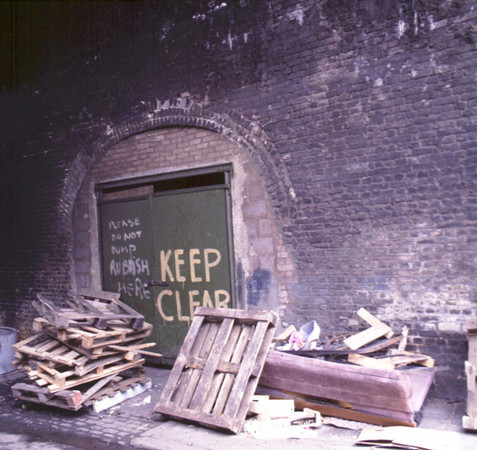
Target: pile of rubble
{"points": [[230, 356], [376, 346], [367, 377], [89, 351]]}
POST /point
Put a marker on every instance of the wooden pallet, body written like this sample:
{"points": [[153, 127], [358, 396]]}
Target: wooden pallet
{"points": [[99, 309], [71, 400], [92, 342], [56, 380], [217, 370], [84, 395], [45, 348]]}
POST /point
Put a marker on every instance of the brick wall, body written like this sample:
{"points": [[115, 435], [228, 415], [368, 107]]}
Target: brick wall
{"points": [[358, 116]]}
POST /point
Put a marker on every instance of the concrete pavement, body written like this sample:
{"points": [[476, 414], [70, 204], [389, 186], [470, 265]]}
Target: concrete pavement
{"points": [[134, 424]]}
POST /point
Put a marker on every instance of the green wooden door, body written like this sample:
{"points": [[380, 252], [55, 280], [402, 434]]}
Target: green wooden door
{"points": [[180, 237], [192, 251]]}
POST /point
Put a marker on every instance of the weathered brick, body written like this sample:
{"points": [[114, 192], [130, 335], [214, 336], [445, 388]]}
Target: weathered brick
{"points": [[357, 134]]}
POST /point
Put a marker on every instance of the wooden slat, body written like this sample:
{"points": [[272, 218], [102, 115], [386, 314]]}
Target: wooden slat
{"points": [[256, 371], [219, 377], [228, 381], [372, 320], [403, 358], [181, 359], [212, 381], [195, 375], [212, 365], [366, 336]]}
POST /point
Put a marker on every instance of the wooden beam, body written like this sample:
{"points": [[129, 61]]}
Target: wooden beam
{"points": [[372, 320], [366, 336]]}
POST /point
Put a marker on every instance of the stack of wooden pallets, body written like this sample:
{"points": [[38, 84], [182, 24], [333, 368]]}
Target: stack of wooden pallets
{"points": [[79, 354]]}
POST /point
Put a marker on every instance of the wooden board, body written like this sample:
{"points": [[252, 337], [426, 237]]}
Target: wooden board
{"points": [[366, 336], [217, 370], [372, 320]]}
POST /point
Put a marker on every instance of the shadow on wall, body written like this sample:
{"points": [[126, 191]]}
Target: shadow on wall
{"points": [[258, 285]]}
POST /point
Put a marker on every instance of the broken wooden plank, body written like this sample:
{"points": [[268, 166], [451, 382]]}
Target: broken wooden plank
{"points": [[372, 320], [404, 358], [402, 345], [273, 408], [366, 336], [285, 334], [42, 347], [217, 369]]}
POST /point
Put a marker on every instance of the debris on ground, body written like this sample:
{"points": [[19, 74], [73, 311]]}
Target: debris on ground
{"points": [[410, 438], [89, 353], [368, 376]]}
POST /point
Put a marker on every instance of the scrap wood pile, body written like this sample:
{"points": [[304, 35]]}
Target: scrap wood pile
{"points": [[376, 346], [367, 377], [227, 358], [90, 350]]}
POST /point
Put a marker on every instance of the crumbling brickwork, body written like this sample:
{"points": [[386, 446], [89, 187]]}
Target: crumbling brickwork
{"points": [[359, 117]]}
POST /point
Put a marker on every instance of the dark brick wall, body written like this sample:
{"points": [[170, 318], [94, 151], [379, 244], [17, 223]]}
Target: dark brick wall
{"points": [[359, 115]]}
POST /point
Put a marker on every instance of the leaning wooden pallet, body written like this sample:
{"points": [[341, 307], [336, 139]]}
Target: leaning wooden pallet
{"points": [[217, 370], [382, 385]]}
